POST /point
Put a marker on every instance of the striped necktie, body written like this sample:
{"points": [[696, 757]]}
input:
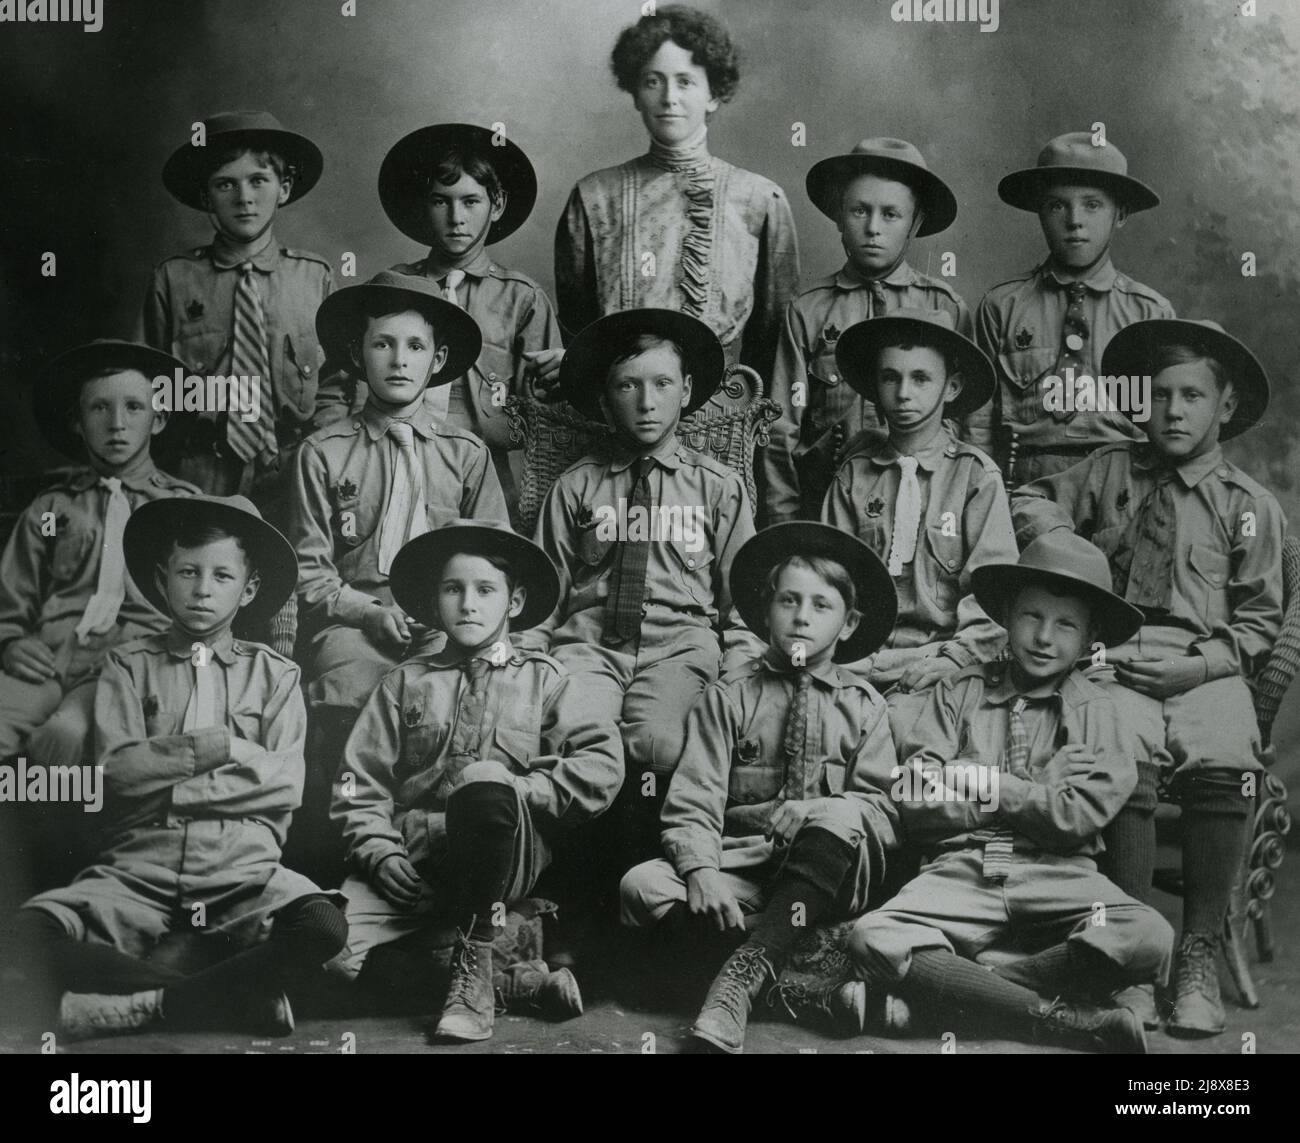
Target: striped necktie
{"points": [[249, 358], [406, 515], [437, 399], [627, 600], [110, 588]]}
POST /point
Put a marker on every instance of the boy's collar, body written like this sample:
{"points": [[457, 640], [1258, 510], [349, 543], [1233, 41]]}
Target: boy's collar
{"points": [[432, 266], [138, 477], [226, 257], [776, 664], [1099, 281], [1191, 472], [848, 277], [929, 457], [376, 420], [1002, 687], [180, 644], [451, 654], [665, 455]]}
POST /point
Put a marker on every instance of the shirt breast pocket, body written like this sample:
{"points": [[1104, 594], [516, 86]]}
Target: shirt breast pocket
{"points": [[944, 565], [749, 785], [832, 781], [1211, 569], [202, 349], [299, 368], [519, 746], [1023, 367], [347, 524], [593, 549], [830, 398], [71, 546], [694, 560], [421, 743]]}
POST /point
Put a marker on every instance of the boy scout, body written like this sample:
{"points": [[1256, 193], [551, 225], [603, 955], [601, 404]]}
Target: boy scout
{"points": [[880, 196], [1052, 324], [364, 486], [1007, 779], [644, 532], [243, 305], [1196, 544], [456, 189], [64, 596], [200, 736], [930, 505], [465, 763], [781, 796]]}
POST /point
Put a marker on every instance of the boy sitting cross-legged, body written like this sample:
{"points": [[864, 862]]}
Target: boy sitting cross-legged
{"points": [[1012, 852], [461, 770], [200, 736], [781, 795]]}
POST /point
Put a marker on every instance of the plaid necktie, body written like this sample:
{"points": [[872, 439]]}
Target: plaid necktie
{"points": [[795, 744], [628, 597], [202, 709], [406, 515], [907, 516], [249, 358], [877, 291], [437, 399], [1074, 340], [1150, 579], [1000, 844], [467, 738], [110, 588]]}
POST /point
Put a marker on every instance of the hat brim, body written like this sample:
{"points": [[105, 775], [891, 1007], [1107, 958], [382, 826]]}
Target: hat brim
{"points": [[185, 174], [406, 169], [859, 345], [152, 527], [877, 596], [586, 361], [54, 406], [934, 196], [411, 576], [1130, 351], [341, 315], [1024, 189], [995, 585]]}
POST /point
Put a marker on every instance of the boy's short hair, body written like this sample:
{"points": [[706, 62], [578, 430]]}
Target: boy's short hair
{"points": [[1166, 356], [832, 571], [1077, 179], [456, 162], [841, 185], [638, 343], [263, 156], [74, 395], [696, 32], [374, 308], [195, 533], [921, 340]]}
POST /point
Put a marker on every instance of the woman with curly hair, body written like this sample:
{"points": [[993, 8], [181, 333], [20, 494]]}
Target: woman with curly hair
{"points": [[678, 228]]}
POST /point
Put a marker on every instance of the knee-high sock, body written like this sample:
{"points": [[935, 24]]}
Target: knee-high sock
{"points": [[1130, 856], [1070, 968], [481, 821], [959, 992], [811, 877], [304, 936], [1214, 821]]}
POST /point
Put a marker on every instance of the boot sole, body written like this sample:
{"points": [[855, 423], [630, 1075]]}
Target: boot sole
{"points": [[461, 1037], [1193, 1031], [730, 1049]]}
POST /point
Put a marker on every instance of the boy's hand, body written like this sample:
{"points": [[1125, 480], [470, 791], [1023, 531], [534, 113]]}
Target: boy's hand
{"points": [[1074, 762], [707, 895], [788, 820], [30, 660], [397, 881], [924, 673], [387, 627], [542, 371], [1163, 678]]}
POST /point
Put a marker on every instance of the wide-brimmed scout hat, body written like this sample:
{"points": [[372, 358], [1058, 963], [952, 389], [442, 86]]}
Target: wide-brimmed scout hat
{"points": [[407, 169], [186, 173], [877, 597], [1130, 353], [587, 360], [55, 397], [1072, 158], [411, 578], [893, 159], [341, 318], [859, 345], [1061, 560], [153, 526]]}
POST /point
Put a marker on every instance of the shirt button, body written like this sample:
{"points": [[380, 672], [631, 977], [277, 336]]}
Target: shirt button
{"points": [[199, 367], [690, 563], [356, 424], [1074, 341], [306, 369], [492, 376], [1221, 472], [952, 565]]}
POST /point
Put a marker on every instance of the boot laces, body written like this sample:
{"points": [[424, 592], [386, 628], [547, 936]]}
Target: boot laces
{"points": [[464, 970], [746, 967], [799, 1000], [1197, 968]]}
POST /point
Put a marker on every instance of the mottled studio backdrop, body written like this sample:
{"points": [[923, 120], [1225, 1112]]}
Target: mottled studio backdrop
{"points": [[1203, 99]]}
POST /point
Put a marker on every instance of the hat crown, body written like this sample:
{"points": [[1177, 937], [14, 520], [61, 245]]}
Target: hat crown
{"points": [[883, 147], [226, 121], [1063, 553], [1077, 149]]}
